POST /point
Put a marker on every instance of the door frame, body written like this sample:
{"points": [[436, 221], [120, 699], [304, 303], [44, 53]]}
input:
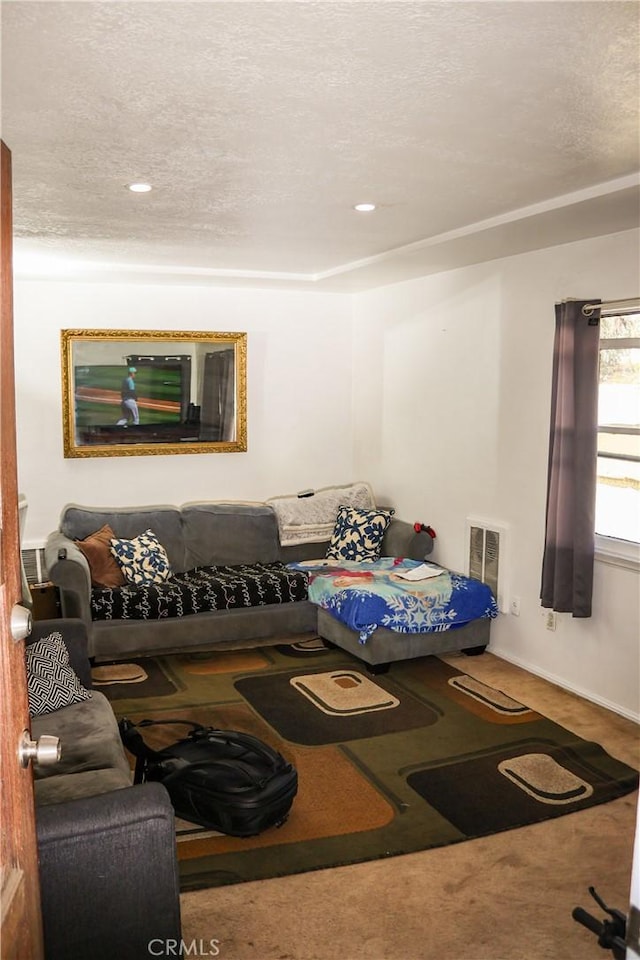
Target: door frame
{"points": [[20, 914]]}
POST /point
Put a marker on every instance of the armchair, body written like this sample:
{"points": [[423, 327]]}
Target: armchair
{"points": [[108, 863]]}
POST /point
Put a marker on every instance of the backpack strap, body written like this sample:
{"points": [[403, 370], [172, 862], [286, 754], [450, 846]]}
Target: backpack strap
{"points": [[196, 728], [251, 779], [134, 743], [246, 740]]}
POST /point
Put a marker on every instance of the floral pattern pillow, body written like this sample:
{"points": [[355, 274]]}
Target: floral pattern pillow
{"points": [[358, 534], [143, 559]]}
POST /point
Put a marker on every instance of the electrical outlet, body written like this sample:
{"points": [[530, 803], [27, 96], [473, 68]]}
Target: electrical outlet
{"points": [[515, 606], [550, 619]]}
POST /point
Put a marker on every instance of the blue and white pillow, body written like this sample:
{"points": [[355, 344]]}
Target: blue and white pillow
{"points": [[143, 560], [358, 534]]}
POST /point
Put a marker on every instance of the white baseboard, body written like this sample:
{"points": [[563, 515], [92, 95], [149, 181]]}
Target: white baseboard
{"points": [[585, 694]]}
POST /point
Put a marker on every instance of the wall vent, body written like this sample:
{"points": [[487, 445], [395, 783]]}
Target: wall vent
{"points": [[487, 556], [33, 565]]}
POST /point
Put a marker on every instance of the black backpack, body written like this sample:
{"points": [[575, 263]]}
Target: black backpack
{"points": [[221, 779]]}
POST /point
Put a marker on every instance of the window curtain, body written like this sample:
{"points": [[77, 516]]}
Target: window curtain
{"points": [[567, 566], [217, 418]]}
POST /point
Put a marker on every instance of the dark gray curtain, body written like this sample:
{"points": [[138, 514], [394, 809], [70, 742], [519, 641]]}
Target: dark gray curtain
{"points": [[217, 417], [567, 566]]}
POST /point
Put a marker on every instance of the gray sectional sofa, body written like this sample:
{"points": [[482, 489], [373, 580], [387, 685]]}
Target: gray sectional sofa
{"points": [[208, 533], [196, 534]]}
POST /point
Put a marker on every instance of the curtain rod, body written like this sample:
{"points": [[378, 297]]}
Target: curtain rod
{"points": [[633, 303]]}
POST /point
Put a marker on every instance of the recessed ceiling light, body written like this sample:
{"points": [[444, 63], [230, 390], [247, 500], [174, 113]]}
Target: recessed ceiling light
{"points": [[140, 187], [364, 207]]}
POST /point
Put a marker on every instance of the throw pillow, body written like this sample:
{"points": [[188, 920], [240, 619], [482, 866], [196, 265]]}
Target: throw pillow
{"points": [[143, 560], [52, 682], [105, 572], [358, 534]]}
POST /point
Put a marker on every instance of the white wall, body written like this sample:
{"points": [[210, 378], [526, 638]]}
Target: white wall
{"points": [[299, 361], [443, 405], [451, 403]]}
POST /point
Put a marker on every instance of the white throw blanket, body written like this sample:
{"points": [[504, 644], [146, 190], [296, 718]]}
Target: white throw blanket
{"points": [[312, 519]]}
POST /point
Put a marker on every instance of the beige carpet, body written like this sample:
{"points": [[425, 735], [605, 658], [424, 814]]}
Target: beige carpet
{"points": [[506, 897]]}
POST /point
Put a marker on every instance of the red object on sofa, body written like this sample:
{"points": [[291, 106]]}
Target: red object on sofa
{"points": [[419, 527]]}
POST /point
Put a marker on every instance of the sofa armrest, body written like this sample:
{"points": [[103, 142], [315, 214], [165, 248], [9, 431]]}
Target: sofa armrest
{"points": [[68, 569], [109, 875], [74, 634], [401, 540]]}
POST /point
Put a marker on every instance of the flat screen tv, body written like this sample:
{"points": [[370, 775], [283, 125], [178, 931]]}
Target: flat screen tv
{"points": [[162, 393]]}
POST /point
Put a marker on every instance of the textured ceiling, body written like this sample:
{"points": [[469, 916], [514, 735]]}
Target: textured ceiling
{"points": [[260, 124]]}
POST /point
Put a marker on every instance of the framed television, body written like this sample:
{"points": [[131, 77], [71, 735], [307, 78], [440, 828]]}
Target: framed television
{"points": [[136, 393]]}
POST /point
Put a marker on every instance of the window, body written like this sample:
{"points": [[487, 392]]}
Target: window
{"points": [[618, 483]]}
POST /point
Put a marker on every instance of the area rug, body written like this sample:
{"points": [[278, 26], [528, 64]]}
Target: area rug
{"points": [[420, 757], [148, 676]]}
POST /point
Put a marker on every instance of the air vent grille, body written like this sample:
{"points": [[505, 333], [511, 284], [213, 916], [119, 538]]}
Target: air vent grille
{"points": [[487, 555], [476, 553], [34, 566]]}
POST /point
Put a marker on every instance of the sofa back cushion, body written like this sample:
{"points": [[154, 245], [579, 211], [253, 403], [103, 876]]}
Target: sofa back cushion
{"points": [[79, 522], [229, 533]]}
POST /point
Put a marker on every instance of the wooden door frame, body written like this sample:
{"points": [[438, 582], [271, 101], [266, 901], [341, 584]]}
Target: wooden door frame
{"points": [[20, 915]]}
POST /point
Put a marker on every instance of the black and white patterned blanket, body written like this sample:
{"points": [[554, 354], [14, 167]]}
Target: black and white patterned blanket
{"points": [[201, 589]]}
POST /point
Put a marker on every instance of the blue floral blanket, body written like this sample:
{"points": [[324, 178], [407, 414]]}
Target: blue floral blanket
{"points": [[367, 595]]}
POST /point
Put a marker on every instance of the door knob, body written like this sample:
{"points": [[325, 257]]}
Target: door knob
{"points": [[21, 622], [46, 750]]}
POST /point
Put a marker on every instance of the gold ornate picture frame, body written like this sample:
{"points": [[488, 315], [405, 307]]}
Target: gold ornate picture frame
{"points": [[143, 392]]}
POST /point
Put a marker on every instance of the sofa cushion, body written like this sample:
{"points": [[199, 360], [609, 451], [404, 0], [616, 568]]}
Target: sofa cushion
{"points": [[229, 533], [76, 786], [358, 533], [142, 559], [89, 738], [201, 590], [79, 522], [51, 681], [105, 572]]}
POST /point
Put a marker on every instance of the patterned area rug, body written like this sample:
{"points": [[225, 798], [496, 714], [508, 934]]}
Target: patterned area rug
{"points": [[114, 680], [420, 757]]}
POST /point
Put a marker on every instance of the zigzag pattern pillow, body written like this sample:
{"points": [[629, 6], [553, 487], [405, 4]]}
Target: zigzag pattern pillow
{"points": [[358, 534], [143, 560], [52, 683]]}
